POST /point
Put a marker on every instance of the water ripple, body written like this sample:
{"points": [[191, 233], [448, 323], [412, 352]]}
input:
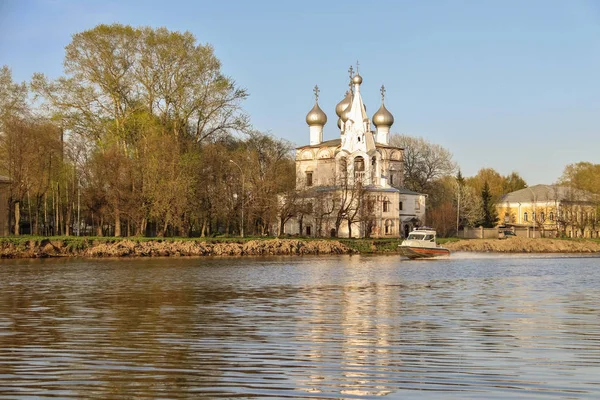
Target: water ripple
{"points": [[306, 327]]}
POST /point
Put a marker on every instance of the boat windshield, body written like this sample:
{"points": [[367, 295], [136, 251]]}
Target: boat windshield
{"points": [[416, 236]]}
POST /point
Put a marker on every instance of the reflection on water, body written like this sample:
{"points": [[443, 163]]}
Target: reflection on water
{"points": [[306, 327]]}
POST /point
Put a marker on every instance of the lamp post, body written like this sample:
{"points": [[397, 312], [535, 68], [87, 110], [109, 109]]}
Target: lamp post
{"points": [[242, 197], [534, 198]]}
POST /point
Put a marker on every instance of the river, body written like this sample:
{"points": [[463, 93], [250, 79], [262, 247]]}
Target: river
{"points": [[472, 326]]}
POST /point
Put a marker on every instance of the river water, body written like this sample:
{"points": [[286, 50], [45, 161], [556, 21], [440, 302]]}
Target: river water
{"points": [[472, 326]]}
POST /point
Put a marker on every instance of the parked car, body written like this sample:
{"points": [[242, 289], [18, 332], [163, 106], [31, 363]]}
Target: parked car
{"points": [[505, 234]]}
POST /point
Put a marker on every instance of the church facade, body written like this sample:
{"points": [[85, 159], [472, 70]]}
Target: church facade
{"points": [[352, 186]]}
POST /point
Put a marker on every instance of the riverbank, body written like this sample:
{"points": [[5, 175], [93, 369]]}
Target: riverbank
{"points": [[525, 245], [150, 247], [42, 247]]}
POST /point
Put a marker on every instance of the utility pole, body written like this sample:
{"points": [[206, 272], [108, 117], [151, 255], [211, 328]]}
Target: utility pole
{"points": [[242, 196]]}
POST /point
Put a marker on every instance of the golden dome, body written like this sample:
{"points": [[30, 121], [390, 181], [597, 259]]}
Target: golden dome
{"points": [[383, 117], [345, 115], [342, 105], [316, 116], [357, 79], [340, 123]]}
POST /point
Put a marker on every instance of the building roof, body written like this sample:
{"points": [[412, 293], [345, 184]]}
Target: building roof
{"points": [[546, 193], [407, 191], [338, 142]]}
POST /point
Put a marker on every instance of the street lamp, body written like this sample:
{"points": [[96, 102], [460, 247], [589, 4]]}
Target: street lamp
{"points": [[242, 197], [534, 197]]}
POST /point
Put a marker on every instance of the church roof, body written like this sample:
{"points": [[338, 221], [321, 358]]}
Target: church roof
{"points": [[407, 191], [338, 142]]}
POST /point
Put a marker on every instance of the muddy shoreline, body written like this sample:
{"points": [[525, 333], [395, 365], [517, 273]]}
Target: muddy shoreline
{"points": [[83, 247]]}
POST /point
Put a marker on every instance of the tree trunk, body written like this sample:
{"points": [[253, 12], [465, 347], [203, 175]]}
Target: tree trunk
{"points": [[117, 222], [17, 218], [141, 228], [203, 230], [99, 227]]}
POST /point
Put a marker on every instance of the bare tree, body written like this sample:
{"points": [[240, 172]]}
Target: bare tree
{"points": [[424, 162]]}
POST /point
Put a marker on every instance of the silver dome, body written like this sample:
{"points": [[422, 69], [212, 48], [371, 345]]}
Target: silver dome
{"points": [[383, 117], [316, 116], [342, 105]]}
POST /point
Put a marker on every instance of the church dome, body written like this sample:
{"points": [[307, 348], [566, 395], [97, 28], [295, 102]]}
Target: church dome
{"points": [[383, 117], [345, 115], [342, 105], [316, 116], [357, 79]]}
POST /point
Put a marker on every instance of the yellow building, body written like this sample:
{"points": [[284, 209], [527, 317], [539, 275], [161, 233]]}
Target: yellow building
{"points": [[551, 211]]}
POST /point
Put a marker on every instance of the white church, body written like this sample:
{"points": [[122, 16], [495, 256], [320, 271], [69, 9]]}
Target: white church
{"points": [[353, 186]]}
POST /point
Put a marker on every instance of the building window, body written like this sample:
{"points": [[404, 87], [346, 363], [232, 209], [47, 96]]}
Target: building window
{"points": [[386, 204], [400, 205], [359, 164], [391, 178], [525, 217], [551, 216], [389, 227], [309, 178], [308, 231], [542, 217]]}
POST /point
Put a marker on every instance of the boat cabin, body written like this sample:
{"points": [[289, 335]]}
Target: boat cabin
{"points": [[422, 234]]}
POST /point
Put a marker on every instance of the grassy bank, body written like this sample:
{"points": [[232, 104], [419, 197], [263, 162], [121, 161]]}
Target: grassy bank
{"points": [[73, 246], [64, 246]]}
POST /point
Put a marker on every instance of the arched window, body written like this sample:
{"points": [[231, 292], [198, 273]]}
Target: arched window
{"points": [[309, 178], [359, 164], [359, 168], [389, 227], [386, 204], [551, 216], [525, 216], [343, 164], [542, 217]]}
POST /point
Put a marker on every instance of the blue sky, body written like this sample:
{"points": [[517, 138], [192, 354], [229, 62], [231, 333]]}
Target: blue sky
{"points": [[509, 85]]}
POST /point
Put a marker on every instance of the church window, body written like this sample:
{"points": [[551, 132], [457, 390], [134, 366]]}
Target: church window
{"points": [[551, 216], [400, 205], [525, 216], [391, 178], [386, 204], [542, 217], [359, 164], [309, 178], [389, 227]]}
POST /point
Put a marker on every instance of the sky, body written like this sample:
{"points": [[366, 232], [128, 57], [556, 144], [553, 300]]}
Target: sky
{"points": [[510, 85]]}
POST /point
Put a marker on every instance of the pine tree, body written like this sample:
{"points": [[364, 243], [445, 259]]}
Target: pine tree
{"points": [[490, 216]]}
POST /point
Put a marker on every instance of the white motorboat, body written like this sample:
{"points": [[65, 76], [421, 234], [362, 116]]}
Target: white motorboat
{"points": [[421, 243]]}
